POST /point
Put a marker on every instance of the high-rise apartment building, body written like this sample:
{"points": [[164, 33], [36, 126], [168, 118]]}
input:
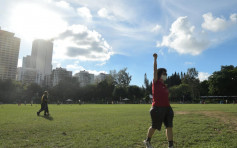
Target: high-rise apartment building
{"points": [[26, 62], [9, 51], [85, 78], [59, 74], [41, 58], [101, 77], [26, 75]]}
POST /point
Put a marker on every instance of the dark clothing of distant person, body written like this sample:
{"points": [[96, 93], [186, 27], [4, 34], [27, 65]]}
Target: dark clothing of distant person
{"points": [[44, 105]]}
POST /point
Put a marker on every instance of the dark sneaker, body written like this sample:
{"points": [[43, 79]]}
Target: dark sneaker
{"points": [[38, 113]]}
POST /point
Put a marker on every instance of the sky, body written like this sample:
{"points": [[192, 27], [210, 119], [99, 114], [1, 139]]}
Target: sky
{"points": [[103, 35]]}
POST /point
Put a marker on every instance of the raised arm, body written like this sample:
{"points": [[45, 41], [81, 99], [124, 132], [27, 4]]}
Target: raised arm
{"points": [[155, 67]]}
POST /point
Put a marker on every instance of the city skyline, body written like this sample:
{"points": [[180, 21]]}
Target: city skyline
{"points": [[103, 36]]}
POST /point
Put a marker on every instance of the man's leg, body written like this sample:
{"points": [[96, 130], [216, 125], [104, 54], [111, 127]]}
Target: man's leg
{"points": [[41, 109], [150, 132], [169, 125], [169, 135], [47, 109]]}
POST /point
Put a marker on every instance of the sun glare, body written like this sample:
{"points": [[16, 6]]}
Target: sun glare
{"points": [[32, 21]]}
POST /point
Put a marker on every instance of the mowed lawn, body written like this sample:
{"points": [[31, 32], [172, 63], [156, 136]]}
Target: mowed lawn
{"points": [[116, 126]]}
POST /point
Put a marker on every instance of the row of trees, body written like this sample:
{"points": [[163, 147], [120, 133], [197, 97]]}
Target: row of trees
{"points": [[114, 88], [182, 87], [187, 87]]}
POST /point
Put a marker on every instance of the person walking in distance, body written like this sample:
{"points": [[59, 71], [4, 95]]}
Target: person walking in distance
{"points": [[44, 104], [161, 111]]}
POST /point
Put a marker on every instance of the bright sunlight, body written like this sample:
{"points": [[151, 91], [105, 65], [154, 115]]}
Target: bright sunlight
{"points": [[33, 21]]}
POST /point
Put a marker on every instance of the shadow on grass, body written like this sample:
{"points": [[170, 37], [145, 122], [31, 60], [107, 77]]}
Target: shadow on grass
{"points": [[48, 117]]}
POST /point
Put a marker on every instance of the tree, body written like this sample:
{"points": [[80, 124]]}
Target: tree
{"points": [[192, 73], [191, 78], [105, 90], [32, 91], [112, 77], [173, 80], [123, 78], [148, 86], [66, 89], [204, 88], [119, 93], [180, 92], [224, 82], [135, 93]]}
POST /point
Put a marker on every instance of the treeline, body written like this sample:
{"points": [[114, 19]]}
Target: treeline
{"points": [[188, 88], [113, 89], [184, 87]]}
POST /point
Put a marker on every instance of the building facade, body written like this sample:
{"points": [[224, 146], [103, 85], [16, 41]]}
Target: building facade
{"points": [[41, 58], [101, 77], [59, 74], [26, 62], [85, 78], [26, 75], [9, 52]]}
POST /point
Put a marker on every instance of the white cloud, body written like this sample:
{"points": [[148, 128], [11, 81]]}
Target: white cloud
{"points": [[188, 63], [104, 13], [84, 12], [119, 10], [75, 68], [213, 24], [63, 4], [56, 64], [101, 64], [203, 76], [217, 24], [96, 72], [233, 18], [78, 42], [183, 38], [157, 28], [19, 64]]}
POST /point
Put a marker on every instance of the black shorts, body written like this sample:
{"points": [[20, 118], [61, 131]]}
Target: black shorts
{"points": [[160, 115]]}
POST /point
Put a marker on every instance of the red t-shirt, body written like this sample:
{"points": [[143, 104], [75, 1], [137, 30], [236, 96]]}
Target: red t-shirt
{"points": [[160, 94]]}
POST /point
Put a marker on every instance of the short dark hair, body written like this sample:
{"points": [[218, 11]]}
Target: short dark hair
{"points": [[160, 71]]}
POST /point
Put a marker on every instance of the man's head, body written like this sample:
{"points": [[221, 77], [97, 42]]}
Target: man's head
{"points": [[45, 93], [160, 72]]}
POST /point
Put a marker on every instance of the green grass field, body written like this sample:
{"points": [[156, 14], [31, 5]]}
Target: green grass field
{"points": [[116, 126]]}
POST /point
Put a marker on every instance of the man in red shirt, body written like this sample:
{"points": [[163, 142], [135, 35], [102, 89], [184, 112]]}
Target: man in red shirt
{"points": [[161, 111]]}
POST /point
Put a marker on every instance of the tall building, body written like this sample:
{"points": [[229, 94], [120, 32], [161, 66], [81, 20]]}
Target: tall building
{"points": [[85, 78], [59, 74], [26, 75], [9, 51], [41, 58], [101, 77], [26, 62]]}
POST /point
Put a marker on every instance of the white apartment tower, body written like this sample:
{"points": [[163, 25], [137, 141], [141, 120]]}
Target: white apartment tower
{"points": [[9, 51], [85, 78], [59, 74], [101, 77], [41, 58]]}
